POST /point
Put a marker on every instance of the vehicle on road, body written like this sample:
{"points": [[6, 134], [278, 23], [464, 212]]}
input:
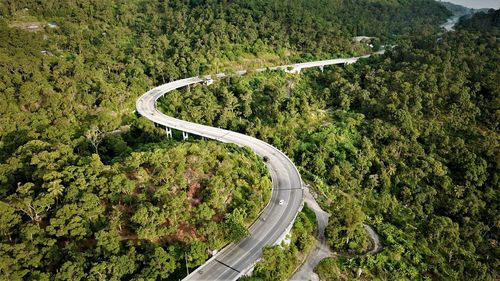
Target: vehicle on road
{"points": [[243, 254], [208, 81]]}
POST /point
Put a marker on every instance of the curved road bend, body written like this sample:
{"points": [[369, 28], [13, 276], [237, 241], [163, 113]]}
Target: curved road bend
{"points": [[275, 220]]}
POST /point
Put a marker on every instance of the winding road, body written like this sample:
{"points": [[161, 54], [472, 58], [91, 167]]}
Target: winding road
{"points": [[275, 220]]}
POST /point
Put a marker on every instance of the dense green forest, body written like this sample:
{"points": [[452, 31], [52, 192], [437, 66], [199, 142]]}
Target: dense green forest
{"points": [[407, 142], [87, 188], [80, 218], [84, 74]]}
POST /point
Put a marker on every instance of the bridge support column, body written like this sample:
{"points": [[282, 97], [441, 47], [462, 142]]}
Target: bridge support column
{"points": [[169, 132], [184, 135], [322, 68]]}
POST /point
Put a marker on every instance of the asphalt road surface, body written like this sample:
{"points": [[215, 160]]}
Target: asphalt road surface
{"points": [[275, 220]]}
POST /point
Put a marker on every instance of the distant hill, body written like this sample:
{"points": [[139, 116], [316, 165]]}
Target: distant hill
{"points": [[459, 10], [482, 21]]}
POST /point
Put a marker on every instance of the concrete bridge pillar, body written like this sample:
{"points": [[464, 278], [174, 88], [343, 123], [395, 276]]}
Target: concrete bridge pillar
{"points": [[349, 62], [169, 132], [322, 68], [184, 135]]}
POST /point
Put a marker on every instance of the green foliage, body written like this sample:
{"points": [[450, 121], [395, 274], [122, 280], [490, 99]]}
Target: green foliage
{"points": [[276, 263], [196, 253], [309, 213], [86, 191], [141, 216], [74, 220], [407, 142], [345, 231], [234, 226], [333, 268], [279, 262], [430, 185]]}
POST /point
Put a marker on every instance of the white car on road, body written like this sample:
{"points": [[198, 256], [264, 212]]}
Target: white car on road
{"points": [[208, 81]]}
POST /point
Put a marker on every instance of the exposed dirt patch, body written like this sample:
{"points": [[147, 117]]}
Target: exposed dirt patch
{"points": [[185, 231], [218, 217], [88, 244], [128, 234], [194, 193], [190, 175], [195, 184], [126, 209]]}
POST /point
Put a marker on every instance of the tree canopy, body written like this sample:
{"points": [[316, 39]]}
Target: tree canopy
{"points": [[407, 142], [89, 190]]}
